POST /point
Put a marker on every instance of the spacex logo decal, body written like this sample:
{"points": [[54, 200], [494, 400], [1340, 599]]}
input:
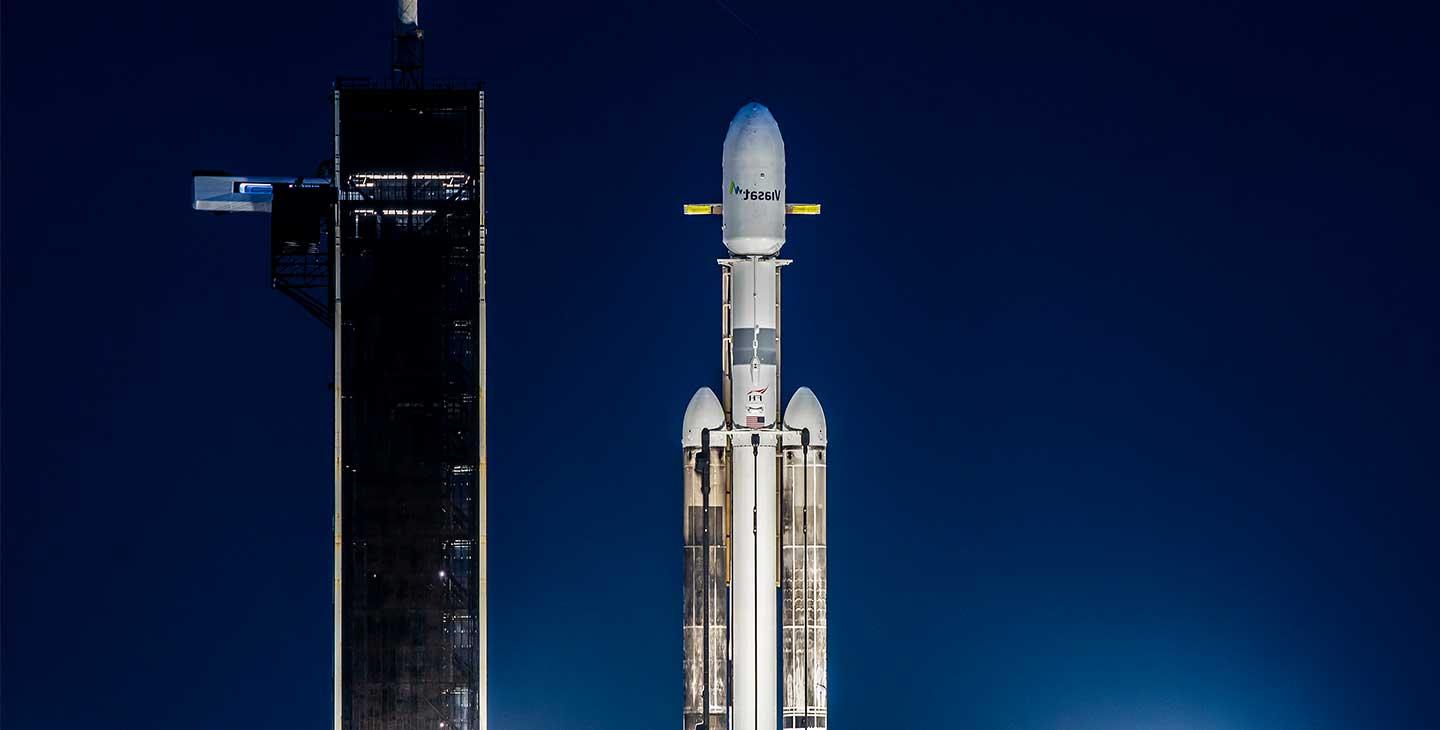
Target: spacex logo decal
{"points": [[755, 399], [748, 194], [755, 407]]}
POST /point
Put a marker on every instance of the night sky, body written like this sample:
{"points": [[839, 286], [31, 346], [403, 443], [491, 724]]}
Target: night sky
{"points": [[1124, 317]]}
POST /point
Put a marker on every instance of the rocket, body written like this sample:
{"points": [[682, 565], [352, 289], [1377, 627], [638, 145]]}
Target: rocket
{"points": [[754, 479]]}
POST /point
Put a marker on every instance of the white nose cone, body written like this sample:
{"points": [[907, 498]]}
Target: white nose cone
{"points": [[804, 411], [703, 412], [407, 14], [754, 198]]}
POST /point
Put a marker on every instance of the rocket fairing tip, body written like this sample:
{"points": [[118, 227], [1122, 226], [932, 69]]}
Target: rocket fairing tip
{"points": [[753, 112], [755, 120]]}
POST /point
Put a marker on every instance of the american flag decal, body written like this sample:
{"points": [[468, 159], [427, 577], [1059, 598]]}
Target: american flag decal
{"points": [[754, 422]]}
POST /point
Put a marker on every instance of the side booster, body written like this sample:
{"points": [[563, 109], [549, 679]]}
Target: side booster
{"points": [[754, 481]]}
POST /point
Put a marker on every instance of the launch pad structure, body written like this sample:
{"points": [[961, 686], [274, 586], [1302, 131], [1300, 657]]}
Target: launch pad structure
{"points": [[386, 246]]}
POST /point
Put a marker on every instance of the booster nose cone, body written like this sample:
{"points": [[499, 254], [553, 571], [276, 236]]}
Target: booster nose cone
{"points": [[804, 411], [754, 184], [703, 412]]}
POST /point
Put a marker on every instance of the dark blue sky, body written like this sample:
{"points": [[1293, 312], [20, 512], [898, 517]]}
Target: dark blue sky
{"points": [[1124, 317]]}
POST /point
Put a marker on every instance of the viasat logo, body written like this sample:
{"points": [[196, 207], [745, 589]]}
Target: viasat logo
{"points": [[748, 194]]}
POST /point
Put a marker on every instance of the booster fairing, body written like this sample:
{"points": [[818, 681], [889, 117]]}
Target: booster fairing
{"points": [[803, 557], [707, 607], [771, 474]]}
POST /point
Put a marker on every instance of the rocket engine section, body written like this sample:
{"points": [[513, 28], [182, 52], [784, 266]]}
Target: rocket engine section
{"points": [[802, 575], [707, 600]]}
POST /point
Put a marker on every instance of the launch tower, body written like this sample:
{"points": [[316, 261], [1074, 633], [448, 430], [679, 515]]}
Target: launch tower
{"points": [[386, 245]]}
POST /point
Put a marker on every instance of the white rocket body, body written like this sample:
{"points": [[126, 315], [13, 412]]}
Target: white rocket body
{"points": [[753, 166], [803, 543], [753, 231], [707, 599]]}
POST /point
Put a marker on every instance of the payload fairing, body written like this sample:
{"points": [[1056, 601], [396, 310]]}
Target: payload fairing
{"points": [[754, 481]]}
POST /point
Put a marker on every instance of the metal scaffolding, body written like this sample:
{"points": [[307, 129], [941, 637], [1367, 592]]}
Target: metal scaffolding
{"points": [[409, 247]]}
